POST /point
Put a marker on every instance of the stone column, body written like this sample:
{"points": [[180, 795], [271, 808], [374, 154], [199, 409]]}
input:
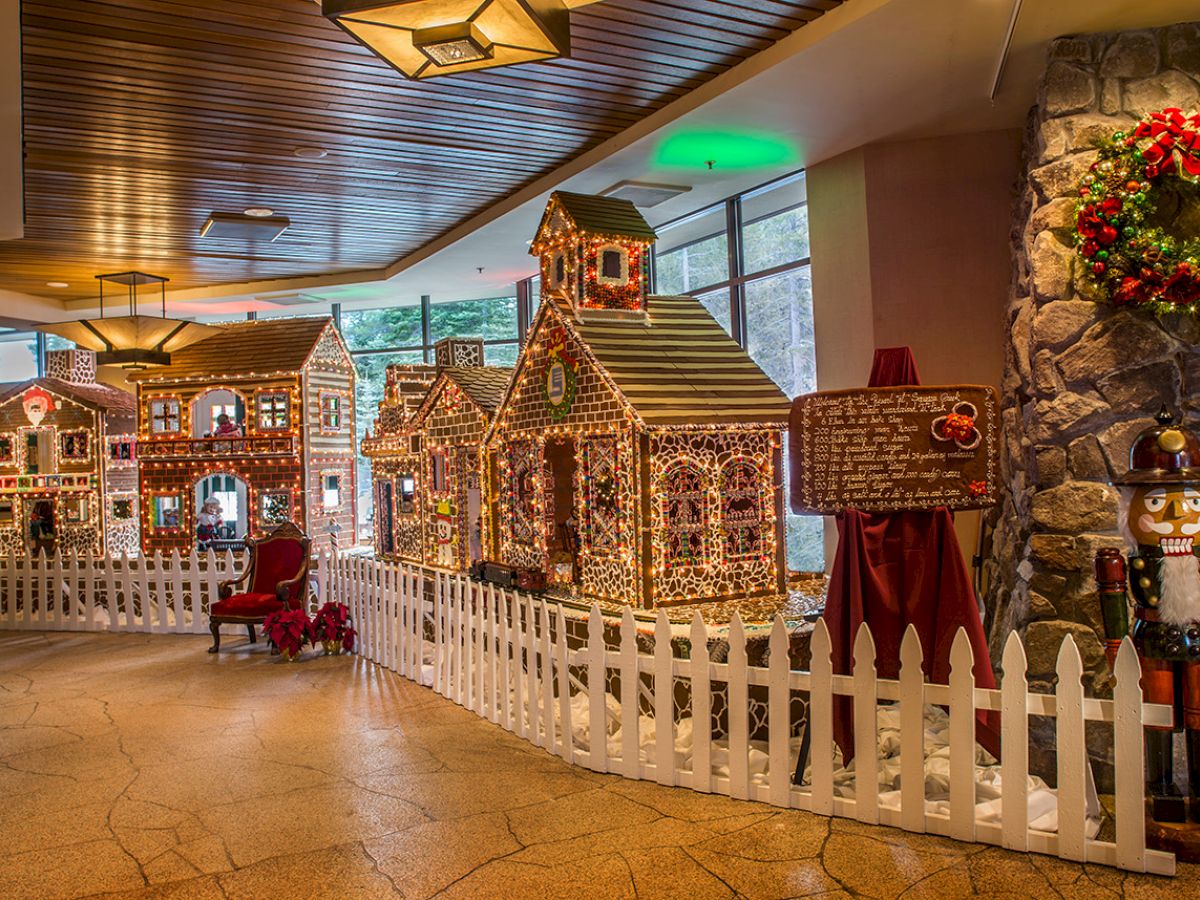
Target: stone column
{"points": [[1081, 379]]}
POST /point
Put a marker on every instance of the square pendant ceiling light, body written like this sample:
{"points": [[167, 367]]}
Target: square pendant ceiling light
{"points": [[425, 38]]}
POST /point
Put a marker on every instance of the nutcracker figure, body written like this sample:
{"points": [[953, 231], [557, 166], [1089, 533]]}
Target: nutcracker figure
{"points": [[1161, 519]]}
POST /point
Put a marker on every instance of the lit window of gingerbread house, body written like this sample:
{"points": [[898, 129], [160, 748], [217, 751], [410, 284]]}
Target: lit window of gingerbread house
{"points": [[256, 422], [68, 457], [636, 456], [594, 253]]}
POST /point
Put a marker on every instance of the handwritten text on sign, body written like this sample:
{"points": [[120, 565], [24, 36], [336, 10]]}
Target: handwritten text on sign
{"points": [[889, 449]]}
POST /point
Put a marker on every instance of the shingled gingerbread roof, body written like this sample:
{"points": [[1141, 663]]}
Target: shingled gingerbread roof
{"points": [[607, 217], [261, 346], [102, 397], [485, 385], [676, 367]]}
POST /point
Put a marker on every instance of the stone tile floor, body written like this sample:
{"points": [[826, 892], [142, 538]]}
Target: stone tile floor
{"points": [[140, 766]]}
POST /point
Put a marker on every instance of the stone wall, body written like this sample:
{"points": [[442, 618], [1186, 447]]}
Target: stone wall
{"points": [[1081, 379]]}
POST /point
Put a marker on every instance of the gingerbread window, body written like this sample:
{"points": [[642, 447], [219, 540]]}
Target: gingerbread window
{"points": [[164, 415], [274, 410], [684, 505]]}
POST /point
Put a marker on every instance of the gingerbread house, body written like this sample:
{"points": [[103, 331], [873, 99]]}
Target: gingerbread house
{"points": [[428, 493], [451, 425], [68, 458], [259, 418], [636, 454], [394, 448]]}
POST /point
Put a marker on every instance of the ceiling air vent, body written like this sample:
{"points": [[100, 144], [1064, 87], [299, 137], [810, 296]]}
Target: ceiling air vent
{"points": [[241, 227], [643, 194]]}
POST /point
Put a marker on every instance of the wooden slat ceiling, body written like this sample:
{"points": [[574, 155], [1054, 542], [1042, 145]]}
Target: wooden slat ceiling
{"points": [[143, 116]]}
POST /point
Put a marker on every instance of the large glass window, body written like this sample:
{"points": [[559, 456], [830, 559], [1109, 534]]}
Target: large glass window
{"points": [[765, 302], [380, 329], [493, 319], [693, 253], [18, 355], [775, 225]]}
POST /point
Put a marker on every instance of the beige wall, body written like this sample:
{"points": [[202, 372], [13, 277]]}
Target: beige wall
{"points": [[910, 247]]}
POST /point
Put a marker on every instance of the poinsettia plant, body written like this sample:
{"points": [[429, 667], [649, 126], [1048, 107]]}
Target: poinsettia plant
{"points": [[333, 628], [289, 631]]}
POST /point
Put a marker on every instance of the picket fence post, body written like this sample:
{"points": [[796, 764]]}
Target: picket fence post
{"points": [[737, 708], [1014, 746], [597, 702], [912, 732], [550, 737], [664, 702], [567, 728], [1128, 759], [866, 729], [701, 683], [820, 721], [962, 738], [631, 764], [1072, 754], [779, 716]]}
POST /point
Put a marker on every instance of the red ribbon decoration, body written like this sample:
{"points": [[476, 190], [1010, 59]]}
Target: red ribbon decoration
{"points": [[1173, 139]]}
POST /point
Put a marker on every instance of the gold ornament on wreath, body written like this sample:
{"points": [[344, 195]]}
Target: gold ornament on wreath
{"points": [[1137, 226]]}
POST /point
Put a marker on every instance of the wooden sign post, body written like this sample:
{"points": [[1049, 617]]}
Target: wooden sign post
{"points": [[895, 448]]}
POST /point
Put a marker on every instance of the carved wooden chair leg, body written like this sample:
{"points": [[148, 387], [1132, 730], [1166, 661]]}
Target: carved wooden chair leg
{"points": [[253, 636], [215, 628]]}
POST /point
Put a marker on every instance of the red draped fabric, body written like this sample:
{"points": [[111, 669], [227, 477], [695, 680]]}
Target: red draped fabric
{"points": [[893, 570]]}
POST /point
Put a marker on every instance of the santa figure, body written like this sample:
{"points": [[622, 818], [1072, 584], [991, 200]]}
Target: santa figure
{"points": [[208, 523], [1160, 517]]}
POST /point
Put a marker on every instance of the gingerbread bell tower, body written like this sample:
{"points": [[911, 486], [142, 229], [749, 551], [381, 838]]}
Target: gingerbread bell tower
{"points": [[595, 254]]}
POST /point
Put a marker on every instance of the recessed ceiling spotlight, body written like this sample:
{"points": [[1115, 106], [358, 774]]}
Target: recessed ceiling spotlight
{"points": [[311, 152], [57, 284], [259, 212]]}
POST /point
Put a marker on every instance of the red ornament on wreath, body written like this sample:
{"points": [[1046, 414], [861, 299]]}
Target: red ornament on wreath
{"points": [[1130, 258]]}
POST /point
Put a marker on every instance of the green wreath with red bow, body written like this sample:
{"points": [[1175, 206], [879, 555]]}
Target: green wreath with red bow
{"points": [[1131, 259]]}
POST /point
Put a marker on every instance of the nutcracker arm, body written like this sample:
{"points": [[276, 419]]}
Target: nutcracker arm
{"points": [[1114, 599]]}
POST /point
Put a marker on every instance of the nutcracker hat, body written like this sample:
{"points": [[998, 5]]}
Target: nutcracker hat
{"points": [[1165, 453]]}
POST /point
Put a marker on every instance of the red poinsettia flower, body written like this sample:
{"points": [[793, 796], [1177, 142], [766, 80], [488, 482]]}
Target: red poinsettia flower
{"points": [[288, 630], [977, 489], [332, 623], [1107, 236], [1111, 206], [1089, 248]]}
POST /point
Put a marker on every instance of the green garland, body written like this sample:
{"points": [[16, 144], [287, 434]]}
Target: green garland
{"points": [[1130, 262]]}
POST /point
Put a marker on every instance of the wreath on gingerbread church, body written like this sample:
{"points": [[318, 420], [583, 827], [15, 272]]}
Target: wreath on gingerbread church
{"points": [[1137, 227]]}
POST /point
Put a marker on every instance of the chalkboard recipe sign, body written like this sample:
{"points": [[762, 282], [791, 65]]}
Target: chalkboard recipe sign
{"points": [[894, 448]]}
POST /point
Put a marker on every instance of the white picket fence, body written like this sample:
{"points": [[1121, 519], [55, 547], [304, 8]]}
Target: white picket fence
{"points": [[507, 657], [161, 594]]}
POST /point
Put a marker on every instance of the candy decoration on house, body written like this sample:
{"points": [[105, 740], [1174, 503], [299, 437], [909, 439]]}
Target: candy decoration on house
{"points": [[1135, 232], [636, 455], [258, 418], [1160, 504], [68, 476]]}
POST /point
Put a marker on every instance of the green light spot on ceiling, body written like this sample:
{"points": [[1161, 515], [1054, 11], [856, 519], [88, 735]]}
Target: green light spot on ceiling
{"points": [[726, 150]]}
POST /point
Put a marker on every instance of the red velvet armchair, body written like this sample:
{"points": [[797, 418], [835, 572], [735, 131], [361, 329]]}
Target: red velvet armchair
{"points": [[276, 577]]}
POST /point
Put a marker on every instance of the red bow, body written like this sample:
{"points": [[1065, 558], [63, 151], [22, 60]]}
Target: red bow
{"points": [[1172, 138]]}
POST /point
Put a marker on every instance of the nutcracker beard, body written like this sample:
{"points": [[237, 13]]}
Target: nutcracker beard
{"points": [[1179, 603]]}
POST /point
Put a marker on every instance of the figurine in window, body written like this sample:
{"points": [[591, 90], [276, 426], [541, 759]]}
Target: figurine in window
{"points": [[208, 523], [226, 427]]}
